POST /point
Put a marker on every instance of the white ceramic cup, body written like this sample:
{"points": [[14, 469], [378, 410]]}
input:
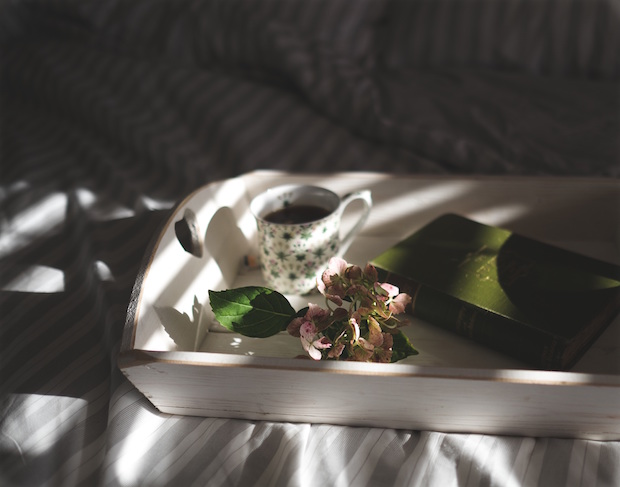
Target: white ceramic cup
{"points": [[293, 252]]}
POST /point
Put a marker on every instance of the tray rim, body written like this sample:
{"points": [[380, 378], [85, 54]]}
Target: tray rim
{"points": [[135, 358]]}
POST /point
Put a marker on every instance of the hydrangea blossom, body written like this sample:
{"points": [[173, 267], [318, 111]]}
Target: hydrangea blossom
{"points": [[363, 328]]}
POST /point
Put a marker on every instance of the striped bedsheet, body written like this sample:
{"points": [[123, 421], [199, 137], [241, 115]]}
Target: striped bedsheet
{"points": [[111, 112]]}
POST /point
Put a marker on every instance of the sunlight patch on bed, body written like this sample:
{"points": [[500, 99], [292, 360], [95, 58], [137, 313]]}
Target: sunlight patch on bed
{"points": [[104, 273], [154, 204], [35, 221], [101, 210], [37, 279], [144, 433], [35, 436]]}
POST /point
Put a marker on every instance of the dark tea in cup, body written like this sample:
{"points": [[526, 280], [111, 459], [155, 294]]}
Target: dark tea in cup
{"points": [[295, 214]]}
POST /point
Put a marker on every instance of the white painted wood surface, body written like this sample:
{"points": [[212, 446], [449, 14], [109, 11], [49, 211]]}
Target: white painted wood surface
{"points": [[452, 385]]}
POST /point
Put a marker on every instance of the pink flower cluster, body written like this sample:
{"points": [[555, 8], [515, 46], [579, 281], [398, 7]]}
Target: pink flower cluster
{"points": [[361, 331]]}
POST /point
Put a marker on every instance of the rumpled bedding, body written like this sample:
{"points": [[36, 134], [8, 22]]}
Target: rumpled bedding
{"points": [[111, 112]]}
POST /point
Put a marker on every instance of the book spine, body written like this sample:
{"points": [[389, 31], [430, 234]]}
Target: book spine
{"points": [[495, 331]]}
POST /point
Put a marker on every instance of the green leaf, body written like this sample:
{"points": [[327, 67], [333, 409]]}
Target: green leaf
{"points": [[401, 347], [252, 311]]}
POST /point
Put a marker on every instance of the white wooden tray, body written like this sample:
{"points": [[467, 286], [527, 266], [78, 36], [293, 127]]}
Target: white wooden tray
{"points": [[185, 363]]}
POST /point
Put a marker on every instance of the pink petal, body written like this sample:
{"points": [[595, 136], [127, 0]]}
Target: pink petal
{"points": [[353, 272], [366, 344], [391, 290], [361, 354], [399, 303], [356, 329], [337, 290], [336, 351], [338, 265], [325, 281], [339, 314], [314, 353], [375, 335], [293, 326], [322, 343], [320, 285], [388, 341], [307, 331], [371, 273], [316, 313], [337, 300]]}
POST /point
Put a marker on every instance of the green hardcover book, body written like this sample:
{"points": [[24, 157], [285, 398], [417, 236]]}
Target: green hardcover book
{"points": [[539, 303]]}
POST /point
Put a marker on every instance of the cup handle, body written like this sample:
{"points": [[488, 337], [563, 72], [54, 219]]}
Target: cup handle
{"points": [[366, 197]]}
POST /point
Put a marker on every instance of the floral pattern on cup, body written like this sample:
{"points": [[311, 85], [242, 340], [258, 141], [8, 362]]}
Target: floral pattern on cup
{"points": [[293, 256]]}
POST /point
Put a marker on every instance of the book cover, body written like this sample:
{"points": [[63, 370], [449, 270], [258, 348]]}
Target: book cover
{"points": [[537, 302]]}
